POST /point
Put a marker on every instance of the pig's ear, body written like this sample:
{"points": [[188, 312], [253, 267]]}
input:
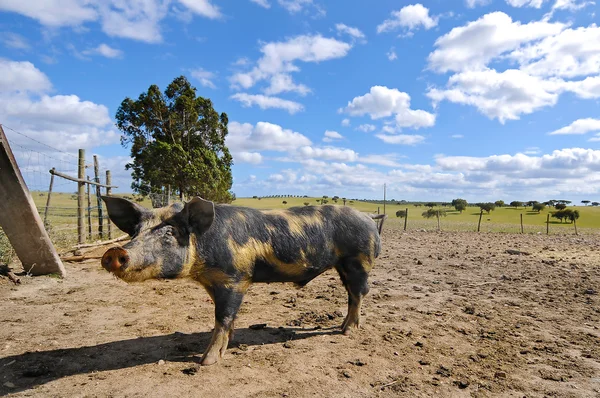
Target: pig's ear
{"points": [[201, 214], [126, 215]]}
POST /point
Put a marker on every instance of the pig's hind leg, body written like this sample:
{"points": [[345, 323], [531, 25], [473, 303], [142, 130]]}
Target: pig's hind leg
{"points": [[354, 276], [227, 303]]}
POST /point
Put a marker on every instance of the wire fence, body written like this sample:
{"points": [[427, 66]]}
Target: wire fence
{"points": [[55, 197]]}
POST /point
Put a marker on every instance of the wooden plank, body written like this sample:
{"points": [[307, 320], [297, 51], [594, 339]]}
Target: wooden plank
{"points": [[68, 177], [98, 198], [81, 197], [108, 193], [20, 220]]}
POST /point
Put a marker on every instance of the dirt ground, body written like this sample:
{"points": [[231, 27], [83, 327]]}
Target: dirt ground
{"points": [[449, 314]]}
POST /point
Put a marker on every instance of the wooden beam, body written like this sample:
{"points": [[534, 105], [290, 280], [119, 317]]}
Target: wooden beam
{"points": [[20, 220], [68, 177]]}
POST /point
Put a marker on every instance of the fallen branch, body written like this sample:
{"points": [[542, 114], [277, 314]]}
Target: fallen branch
{"points": [[80, 258], [105, 242], [517, 252], [5, 270]]}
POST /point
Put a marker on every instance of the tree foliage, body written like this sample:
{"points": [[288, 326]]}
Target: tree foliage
{"points": [[401, 213], [538, 207], [177, 139], [487, 207], [430, 213], [566, 214], [516, 203], [499, 203], [459, 204]]}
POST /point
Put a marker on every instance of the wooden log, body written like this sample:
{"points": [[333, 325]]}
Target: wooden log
{"points": [[106, 242], [98, 198], [21, 221], [48, 199], [108, 193], [81, 197], [89, 211], [68, 177]]}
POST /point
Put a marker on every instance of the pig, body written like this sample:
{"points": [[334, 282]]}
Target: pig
{"points": [[226, 248]]}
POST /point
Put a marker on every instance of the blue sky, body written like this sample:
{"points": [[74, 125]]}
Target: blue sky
{"points": [[478, 99]]}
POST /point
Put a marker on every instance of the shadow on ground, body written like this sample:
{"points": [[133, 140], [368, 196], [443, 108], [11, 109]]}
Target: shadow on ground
{"points": [[31, 369]]}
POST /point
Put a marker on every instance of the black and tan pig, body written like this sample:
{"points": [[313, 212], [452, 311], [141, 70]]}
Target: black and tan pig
{"points": [[227, 248]]}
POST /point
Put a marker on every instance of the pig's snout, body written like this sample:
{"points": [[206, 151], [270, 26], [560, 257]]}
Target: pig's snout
{"points": [[115, 259]]}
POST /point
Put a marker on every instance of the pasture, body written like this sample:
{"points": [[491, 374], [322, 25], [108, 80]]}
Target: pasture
{"points": [[449, 313]]}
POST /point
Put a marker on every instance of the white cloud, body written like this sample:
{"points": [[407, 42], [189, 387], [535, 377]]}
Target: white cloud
{"points": [[572, 5], [580, 126], [22, 77], [70, 122], [53, 13], [263, 137], [382, 102], [346, 122], [401, 139], [137, 20], [282, 82], [570, 53], [203, 8], [457, 136], [296, 6], [262, 3], [389, 160], [475, 3], [204, 77], [14, 40], [391, 55], [330, 136], [266, 102], [279, 59], [366, 128], [105, 50], [477, 43], [355, 33], [526, 3], [410, 17], [247, 157], [328, 153], [503, 96]]}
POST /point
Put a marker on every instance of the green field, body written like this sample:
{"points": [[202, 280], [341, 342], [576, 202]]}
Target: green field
{"points": [[502, 219], [62, 218]]}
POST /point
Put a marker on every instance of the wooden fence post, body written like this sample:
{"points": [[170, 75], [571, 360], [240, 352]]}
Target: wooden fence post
{"points": [[438, 219], [479, 223], [405, 219], [521, 222], [81, 198], [20, 220], [108, 193], [575, 225], [48, 199], [548, 225], [98, 197], [89, 211]]}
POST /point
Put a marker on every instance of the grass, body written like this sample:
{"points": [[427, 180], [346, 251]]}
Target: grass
{"points": [[502, 219], [62, 218]]}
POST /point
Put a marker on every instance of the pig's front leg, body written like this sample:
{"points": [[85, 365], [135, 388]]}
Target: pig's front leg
{"points": [[227, 303]]}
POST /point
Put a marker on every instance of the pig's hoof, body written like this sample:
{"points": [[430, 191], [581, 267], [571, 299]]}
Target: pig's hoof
{"points": [[209, 360]]}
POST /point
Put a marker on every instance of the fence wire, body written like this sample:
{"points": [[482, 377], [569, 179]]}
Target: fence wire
{"points": [[35, 159]]}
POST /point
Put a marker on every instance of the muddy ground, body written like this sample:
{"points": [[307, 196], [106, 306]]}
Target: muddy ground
{"points": [[449, 314]]}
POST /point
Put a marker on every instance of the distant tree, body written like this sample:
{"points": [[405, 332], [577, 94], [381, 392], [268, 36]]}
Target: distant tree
{"points": [[431, 204], [178, 139], [325, 197], [255, 197], [560, 206], [318, 200], [344, 200], [538, 207], [566, 214], [531, 203], [487, 207], [284, 202], [351, 202], [572, 215], [595, 203], [324, 201], [499, 203], [259, 198], [335, 198], [433, 213], [516, 203], [401, 213], [585, 202], [459, 204], [306, 204]]}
